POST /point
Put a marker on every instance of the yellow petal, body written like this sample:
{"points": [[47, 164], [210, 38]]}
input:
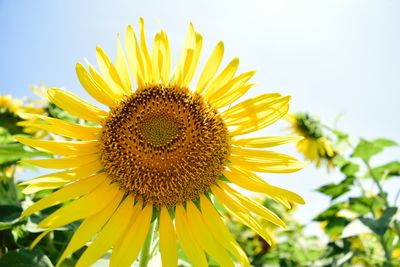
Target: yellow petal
{"points": [[64, 148], [76, 189], [265, 141], [230, 88], [264, 101], [128, 247], [101, 94], [89, 227], [265, 161], [166, 55], [251, 181], [240, 213], [204, 238], [67, 176], [63, 128], [168, 248], [259, 154], [63, 163], [39, 238], [33, 188], [220, 232], [106, 84], [145, 52], [82, 207], [233, 96], [134, 57], [252, 205], [190, 248], [187, 50], [116, 227], [75, 105], [110, 73], [255, 113], [211, 67], [191, 65], [157, 58], [122, 69], [223, 78]]}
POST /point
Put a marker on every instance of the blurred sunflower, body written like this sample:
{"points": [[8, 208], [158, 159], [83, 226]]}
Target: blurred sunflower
{"points": [[163, 155], [12, 112], [315, 146]]}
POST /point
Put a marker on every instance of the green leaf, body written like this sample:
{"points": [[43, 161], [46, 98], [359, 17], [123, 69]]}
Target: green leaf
{"points": [[380, 226], [390, 169], [363, 205], [350, 169], [336, 225], [336, 190], [329, 212], [365, 150], [14, 152], [25, 258], [9, 194], [9, 121], [5, 136], [342, 136], [383, 142], [9, 215], [338, 247]]}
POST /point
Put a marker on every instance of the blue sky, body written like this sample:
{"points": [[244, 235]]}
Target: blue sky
{"points": [[333, 57]]}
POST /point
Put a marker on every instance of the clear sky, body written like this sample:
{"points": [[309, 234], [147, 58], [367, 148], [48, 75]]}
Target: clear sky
{"points": [[338, 56]]}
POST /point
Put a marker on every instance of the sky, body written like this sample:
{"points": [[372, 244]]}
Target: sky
{"points": [[334, 58]]}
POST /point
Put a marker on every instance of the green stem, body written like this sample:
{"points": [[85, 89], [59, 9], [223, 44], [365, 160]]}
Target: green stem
{"points": [[145, 255], [377, 183], [388, 255], [382, 193]]}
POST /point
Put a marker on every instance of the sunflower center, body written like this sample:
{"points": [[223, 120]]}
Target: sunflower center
{"points": [[164, 145], [159, 129]]}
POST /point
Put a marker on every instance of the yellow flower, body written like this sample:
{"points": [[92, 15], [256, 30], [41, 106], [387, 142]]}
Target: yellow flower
{"points": [[9, 104], [162, 155], [396, 253], [314, 146], [12, 112]]}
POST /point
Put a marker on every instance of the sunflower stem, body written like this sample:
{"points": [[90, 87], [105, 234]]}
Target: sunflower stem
{"points": [[145, 255]]}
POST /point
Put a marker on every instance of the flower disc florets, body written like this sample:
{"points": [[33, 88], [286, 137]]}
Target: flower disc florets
{"points": [[164, 145]]}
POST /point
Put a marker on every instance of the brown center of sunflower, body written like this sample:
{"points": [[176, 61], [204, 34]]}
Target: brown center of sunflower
{"points": [[164, 145]]}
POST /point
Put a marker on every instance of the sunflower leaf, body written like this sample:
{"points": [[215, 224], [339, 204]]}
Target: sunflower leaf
{"points": [[366, 149], [24, 258], [335, 190], [387, 170], [380, 225], [9, 216]]}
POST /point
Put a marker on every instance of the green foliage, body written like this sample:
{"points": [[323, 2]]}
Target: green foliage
{"points": [[366, 149], [380, 226], [9, 216], [336, 190], [24, 258], [387, 170], [363, 229]]}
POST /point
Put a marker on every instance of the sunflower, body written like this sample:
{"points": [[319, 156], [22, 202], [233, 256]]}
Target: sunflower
{"points": [[315, 146], [12, 112], [162, 157]]}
